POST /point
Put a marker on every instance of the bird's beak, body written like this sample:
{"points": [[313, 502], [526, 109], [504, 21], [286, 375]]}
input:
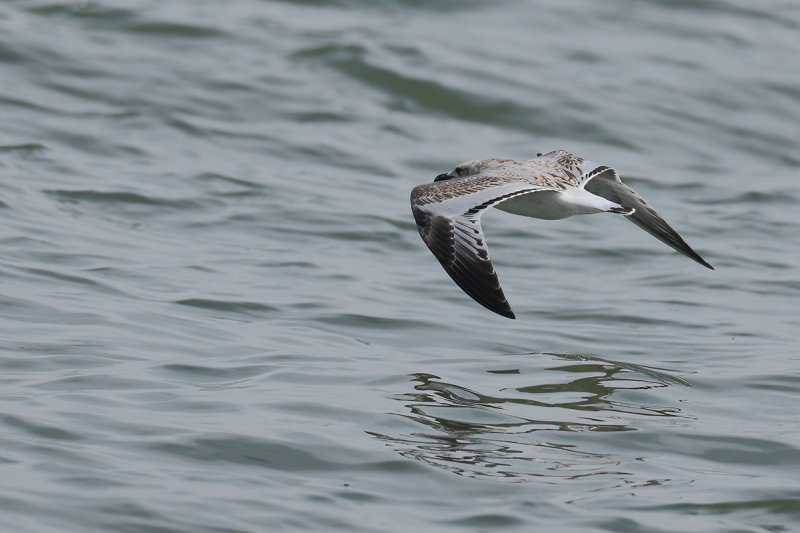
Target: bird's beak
{"points": [[441, 177]]}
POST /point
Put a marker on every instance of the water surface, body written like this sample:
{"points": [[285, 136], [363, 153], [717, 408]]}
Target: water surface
{"points": [[216, 313]]}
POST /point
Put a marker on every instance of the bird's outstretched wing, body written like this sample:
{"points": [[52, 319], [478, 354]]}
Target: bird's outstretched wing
{"points": [[448, 216], [604, 181]]}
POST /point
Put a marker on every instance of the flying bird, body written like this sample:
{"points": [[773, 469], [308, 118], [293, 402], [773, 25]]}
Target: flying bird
{"points": [[552, 186]]}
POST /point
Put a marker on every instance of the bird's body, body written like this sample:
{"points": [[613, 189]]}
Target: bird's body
{"points": [[552, 186], [555, 205]]}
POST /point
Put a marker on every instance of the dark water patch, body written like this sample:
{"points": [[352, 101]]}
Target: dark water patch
{"points": [[621, 255], [769, 146], [65, 453], [94, 145], [25, 148], [370, 321], [414, 95], [743, 450], [723, 7], [358, 496], [748, 259], [72, 279], [733, 451], [585, 56], [202, 408], [679, 303], [314, 117], [777, 383], [261, 453], [661, 185], [213, 374], [361, 236], [16, 102], [624, 525], [790, 91], [233, 85], [310, 306], [126, 428], [244, 308], [186, 126], [129, 509], [243, 184], [114, 116], [129, 20], [777, 505], [290, 264], [173, 30], [402, 225], [120, 514], [91, 10], [29, 362], [92, 482], [608, 315], [393, 5], [58, 349], [155, 525], [202, 127], [753, 197], [97, 382], [314, 410], [488, 521], [684, 63], [121, 198], [777, 287], [11, 55], [40, 430], [330, 51], [345, 159], [324, 3]]}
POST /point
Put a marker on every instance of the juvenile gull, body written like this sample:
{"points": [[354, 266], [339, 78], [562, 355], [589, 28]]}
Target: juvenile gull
{"points": [[552, 186]]}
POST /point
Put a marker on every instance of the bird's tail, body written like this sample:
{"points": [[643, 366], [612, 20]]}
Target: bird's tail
{"points": [[622, 210]]}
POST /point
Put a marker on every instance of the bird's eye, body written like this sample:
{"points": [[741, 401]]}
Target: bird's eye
{"points": [[459, 170]]}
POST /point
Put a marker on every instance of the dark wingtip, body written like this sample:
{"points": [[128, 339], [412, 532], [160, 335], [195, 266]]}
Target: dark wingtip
{"points": [[691, 254], [705, 264], [694, 256], [501, 308], [656, 226]]}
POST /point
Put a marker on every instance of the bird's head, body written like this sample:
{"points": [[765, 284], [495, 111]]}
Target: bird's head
{"points": [[470, 168]]}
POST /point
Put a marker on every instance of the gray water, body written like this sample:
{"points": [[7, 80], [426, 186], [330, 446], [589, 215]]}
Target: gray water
{"points": [[216, 314]]}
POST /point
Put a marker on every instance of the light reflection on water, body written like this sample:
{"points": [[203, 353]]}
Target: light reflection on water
{"points": [[513, 432]]}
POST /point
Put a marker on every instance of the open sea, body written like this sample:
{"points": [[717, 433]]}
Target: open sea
{"points": [[216, 314]]}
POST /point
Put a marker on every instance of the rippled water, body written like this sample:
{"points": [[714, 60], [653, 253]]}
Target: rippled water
{"points": [[217, 315]]}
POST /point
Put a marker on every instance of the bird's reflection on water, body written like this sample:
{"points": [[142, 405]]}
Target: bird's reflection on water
{"points": [[521, 429]]}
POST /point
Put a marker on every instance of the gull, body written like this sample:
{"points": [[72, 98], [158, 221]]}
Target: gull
{"points": [[552, 186]]}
